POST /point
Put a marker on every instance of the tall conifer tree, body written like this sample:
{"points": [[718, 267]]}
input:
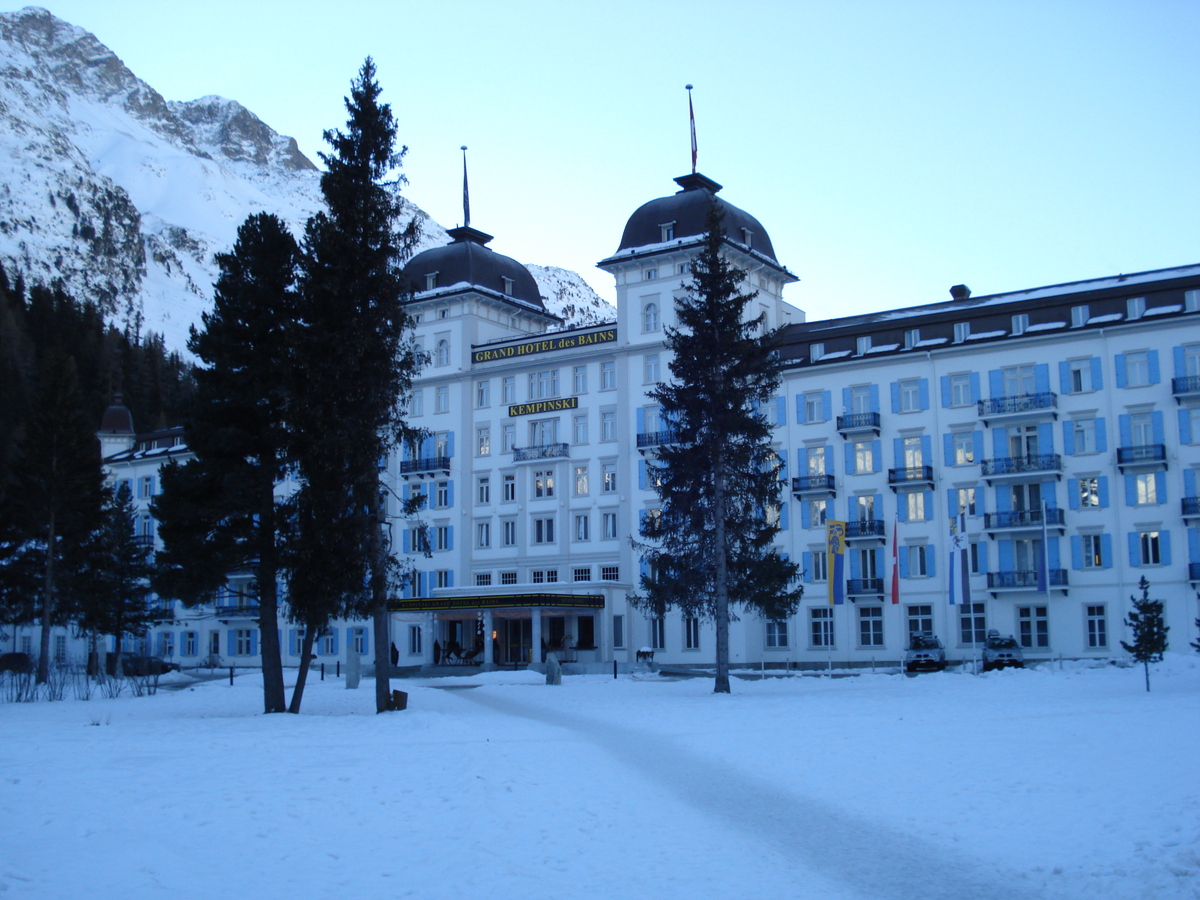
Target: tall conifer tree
{"points": [[710, 547], [1149, 629]]}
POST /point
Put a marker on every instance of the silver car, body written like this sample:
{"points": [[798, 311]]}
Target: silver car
{"points": [[925, 654], [1002, 652]]}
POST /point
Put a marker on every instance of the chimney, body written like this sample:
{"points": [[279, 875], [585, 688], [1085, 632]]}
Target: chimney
{"points": [[960, 292]]}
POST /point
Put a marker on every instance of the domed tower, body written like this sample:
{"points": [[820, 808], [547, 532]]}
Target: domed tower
{"points": [[652, 263], [116, 434]]}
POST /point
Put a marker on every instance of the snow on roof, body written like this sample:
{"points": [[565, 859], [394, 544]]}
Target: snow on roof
{"points": [[984, 335], [1110, 317], [1046, 326], [883, 348], [931, 342], [1163, 310]]}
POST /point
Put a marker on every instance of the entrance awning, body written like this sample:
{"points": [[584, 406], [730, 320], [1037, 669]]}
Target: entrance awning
{"points": [[498, 601]]}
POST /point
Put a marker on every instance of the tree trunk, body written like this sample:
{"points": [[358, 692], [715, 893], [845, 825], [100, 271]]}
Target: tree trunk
{"points": [[310, 636], [48, 587], [1146, 667], [721, 583], [274, 694], [379, 611]]}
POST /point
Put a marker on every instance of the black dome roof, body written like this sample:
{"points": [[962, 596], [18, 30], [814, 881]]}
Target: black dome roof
{"points": [[467, 260], [688, 210]]}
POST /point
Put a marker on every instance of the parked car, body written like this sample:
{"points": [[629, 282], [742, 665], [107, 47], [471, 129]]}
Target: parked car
{"points": [[146, 665], [1002, 652], [925, 654], [18, 663]]}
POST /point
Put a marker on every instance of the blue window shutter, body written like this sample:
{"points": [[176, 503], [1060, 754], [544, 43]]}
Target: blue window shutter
{"points": [[927, 449], [1003, 501], [641, 420], [1076, 552], [1101, 435], [783, 516], [1160, 486], [334, 632], [1000, 442], [875, 398], [895, 386], [806, 565], [805, 517], [254, 642], [1189, 484], [1097, 374], [901, 508], [846, 400], [1106, 550], [781, 410], [976, 391], [876, 454], [945, 390], [1046, 437], [1185, 428], [404, 492], [1156, 423], [978, 446], [1119, 365], [1064, 377], [849, 452], [1103, 490], [800, 409], [1126, 431], [405, 542], [952, 501], [1053, 560], [449, 537], [854, 567], [928, 505], [1164, 546], [642, 474], [450, 493], [996, 383], [1135, 558], [231, 644], [450, 443], [948, 448], [827, 404], [923, 393], [1073, 493], [291, 644], [903, 559], [1041, 377], [898, 450], [1005, 551], [1152, 357], [1130, 490], [1180, 365], [1068, 428], [828, 451], [1193, 536], [931, 561]]}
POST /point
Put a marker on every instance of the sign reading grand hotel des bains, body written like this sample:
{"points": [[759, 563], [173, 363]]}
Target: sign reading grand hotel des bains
{"points": [[544, 345]]}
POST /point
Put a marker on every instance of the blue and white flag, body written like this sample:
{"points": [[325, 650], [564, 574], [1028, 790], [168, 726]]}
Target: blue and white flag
{"points": [[960, 585]]}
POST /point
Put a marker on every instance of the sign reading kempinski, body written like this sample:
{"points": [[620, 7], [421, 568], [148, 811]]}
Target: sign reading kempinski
{"points": [[526, 348], [543, 406]]}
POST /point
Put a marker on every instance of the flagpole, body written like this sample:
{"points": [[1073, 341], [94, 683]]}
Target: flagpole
{"points": [[466, 193], [692, 122]]}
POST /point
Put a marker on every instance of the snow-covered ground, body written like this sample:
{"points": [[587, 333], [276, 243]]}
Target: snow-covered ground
{"points": [[1055, 782]]}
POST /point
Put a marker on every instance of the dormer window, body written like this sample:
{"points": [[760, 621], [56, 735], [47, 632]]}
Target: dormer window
{"points": [[1020, 323], [816, 351], [747, 237], [912, 337], [431, 281], [508, 284], [667, 231], [863, 344], [1135, 307]]}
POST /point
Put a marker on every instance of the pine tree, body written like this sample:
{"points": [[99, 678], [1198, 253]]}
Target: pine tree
{"points": [[357, 356], [1149, 631], [218, 513], [710, 548]]}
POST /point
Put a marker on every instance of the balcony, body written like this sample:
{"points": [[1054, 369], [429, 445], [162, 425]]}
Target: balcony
{"points": [[650, 439], [912, 476], [1023, 520], [1191, 507], [1142, 457], [426, 466], [859, 423], [864, 587], [241, 611], [1014, 467], [1187, 386], [1024, 580], [1020, 406], [144, 540], [542, 451], [866, 530], [812, 485], [1193, 571]]}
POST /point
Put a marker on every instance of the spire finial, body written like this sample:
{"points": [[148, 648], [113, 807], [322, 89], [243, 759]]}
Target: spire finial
{"points": [[466, 194], [692, 120]]}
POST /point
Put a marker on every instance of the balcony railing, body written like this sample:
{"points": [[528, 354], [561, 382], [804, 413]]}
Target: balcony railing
{"points": [[144, 540], [1187, 384], [243, 611], [1024, 580], [812, 484], [857, 587], [1020, 404], [655, 438], [865, 528], [1142, 455], [424, 464], [1021, 465], [1191, 507], [1022, 518], [911, 475], [542, 451], [868, 421]]}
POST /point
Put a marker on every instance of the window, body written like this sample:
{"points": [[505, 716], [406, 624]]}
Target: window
{"points": [[862, 345], [579, 379], [1079, 316], [860, 399], [650, 317], [191, 643], [820, 565], [483, 440], [1093, 552], [608, 478], [820, 620], [667, 232], [1149, 548], [543, 483], [483, 535], [1033, 626], [608, 523], [1019, 380], [416, 403], [814, 407], [441, 537], [1097, 627], [964, 448], [960, 389], [977, 557], [618, 631], [691, 633], [608, 426], [509, 529], [965, 498], [508, 389], [430, 280], [442, 578], [547, 576], [610, 573], [543, 530], [483, 579], [543, 385], [816, 513], [1191, 301], [608, 376], [1080, 372], [1145, 488], [1089, 492], [816, 351], [579, 429], [508, 437], [910, 395], [864, 457], [1135, 307], [483, 394], [441, 495], [508, 488], [442, 399], [442, 352], [483, 490], [920, 620], [507, 284], [658, 633], [1083, 432], [870, 626], [962, 331], [972, 626], [1137, 369], [777, 634], [146, 487], [414, 640], [581, 480], [508, 577], [912, 337], [650, 368], [1020, 323], [918, 557], [914, 505], [583, 527], [649, 274], [241, 642]]}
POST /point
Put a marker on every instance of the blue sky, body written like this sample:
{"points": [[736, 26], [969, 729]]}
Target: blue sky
{"points": [[891, 149]]}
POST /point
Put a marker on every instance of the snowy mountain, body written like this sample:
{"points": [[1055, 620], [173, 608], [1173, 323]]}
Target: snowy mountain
{"points": [[124, 197]]}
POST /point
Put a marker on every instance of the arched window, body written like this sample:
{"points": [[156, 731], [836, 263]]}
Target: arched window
{"points": [[443, 352], [650, 317]]}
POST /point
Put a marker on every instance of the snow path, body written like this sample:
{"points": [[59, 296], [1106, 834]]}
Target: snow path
{"points": [[846, 849]]}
